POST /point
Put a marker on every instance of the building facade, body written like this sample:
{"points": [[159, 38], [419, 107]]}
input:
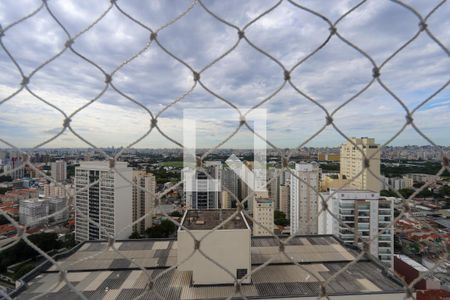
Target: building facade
{"points": [[285, 199], [263, 214], [367, 217], [143, 201], [304, 198], [206, 192], [352, 164], [226, 200], [56, 206], [59, 170], [397, 183], [108, 201], [230, 181], [228, 246], [32, 212]]}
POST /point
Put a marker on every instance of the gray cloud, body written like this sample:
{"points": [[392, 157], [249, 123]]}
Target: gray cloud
{"points": [[245, 77]]}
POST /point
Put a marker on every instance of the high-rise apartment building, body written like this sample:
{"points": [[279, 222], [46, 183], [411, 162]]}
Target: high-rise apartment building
{"points": [[31, 212], [59, 170], [230, 180], [284, 199], [13, 166], [263, 214], [108, 202], [353, 162], [226, 200], [304, 198], [274, 186], [205, 192], [366, 214], [143, 201], [397, 183]]}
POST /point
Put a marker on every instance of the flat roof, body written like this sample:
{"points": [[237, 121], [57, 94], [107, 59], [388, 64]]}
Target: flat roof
{"points": [[412, 263], [211, 218], [117, 278]]}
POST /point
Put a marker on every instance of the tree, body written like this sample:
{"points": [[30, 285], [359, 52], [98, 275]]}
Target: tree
{"points": [[4, 190], [279, 218], [406, 192], [388, 193], [164, 230], [5, 178], [168, 227], [26, 268], [134, 236], [444, 191], [22, 251], [176, 214], [69, 240]]}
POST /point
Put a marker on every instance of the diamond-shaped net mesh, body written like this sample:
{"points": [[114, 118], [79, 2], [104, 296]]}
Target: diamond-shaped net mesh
{"points": [[196, 77]]}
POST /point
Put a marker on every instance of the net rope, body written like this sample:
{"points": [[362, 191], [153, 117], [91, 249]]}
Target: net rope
{"points": [[154, 285]]}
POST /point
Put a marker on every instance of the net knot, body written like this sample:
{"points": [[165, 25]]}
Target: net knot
{"points": [[66, 122], [150, 285], [112, 163], [2, 32], [110, 241], [287, 75], [366, 163], [196, 76], [375, 72], [20, 231], [62, 275], [198, 162], [153, 36], [25, 80], [285, 162], [25, 157], [241, 120], [241, 34], [281, 247], [108, 78], [237, 287], [68, 43], [409, 119], [154, 122], [333, 30], [445, 161], [196, 244], [423, 26], [329, 120], [323, 291]]}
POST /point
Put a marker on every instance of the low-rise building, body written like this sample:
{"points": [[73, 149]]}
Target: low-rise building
{"points": [[33, 212]]}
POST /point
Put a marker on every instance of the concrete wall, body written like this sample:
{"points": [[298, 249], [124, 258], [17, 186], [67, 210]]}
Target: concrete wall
{"points": [[123, 203], [229, 248]]}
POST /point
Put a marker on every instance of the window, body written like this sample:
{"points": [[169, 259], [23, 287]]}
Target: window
{"points": [[241, 273]]}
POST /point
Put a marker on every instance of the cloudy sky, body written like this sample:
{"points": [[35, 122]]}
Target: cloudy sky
{"points": [[244, 77]]}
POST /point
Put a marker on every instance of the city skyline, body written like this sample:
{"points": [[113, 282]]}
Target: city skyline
{"points": [[245, 76]]}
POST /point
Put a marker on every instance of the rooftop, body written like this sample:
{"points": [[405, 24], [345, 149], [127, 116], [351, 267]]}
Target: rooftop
{"points": [[109, 275], [209, 219]]}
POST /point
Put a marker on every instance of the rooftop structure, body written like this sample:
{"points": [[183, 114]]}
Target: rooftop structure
{"points": [[113, 276], [228, 246], [209, 219]]}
